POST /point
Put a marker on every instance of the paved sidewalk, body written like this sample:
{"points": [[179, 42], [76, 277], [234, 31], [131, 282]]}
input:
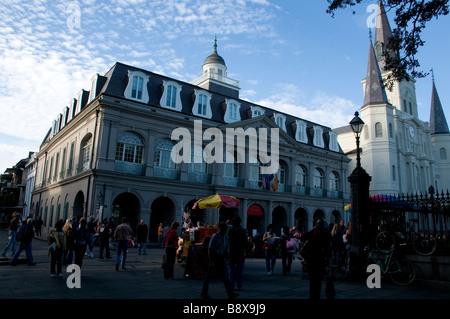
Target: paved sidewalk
{"points": [[144, 280]]}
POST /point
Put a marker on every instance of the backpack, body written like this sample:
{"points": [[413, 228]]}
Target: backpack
{"points": [[290, 244]]}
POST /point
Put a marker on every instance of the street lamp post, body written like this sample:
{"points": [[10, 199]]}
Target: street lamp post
{"points": [[359, 183]]}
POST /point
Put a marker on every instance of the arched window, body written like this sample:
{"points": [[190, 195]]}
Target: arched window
{"points": [[129, 148], [334, 181], [197, 163], [366, 132], [164, 166], [378, 130], [85, 153], [300, 175], [230, 171], [318, 178], [443, 153], [391, 131], [163, 154]]}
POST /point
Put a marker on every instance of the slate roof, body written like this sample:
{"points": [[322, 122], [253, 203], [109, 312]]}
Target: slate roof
{"points": [[116, 80], [438, 123], [383, 31], [374, 90]]}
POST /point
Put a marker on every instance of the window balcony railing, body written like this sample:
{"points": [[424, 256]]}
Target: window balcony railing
{"points": [[199, 177], [164, 172], [129, 168]]}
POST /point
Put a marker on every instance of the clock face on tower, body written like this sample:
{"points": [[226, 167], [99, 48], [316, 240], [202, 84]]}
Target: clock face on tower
{"points": [[412, 133]]}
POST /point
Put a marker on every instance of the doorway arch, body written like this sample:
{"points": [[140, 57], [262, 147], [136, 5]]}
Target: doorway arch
{"points": [[78, 205], [318, 214], [162, 211], [127, 205], [301, 220], [279, 219]]}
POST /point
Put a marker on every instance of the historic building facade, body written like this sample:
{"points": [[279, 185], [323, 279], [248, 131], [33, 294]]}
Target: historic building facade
{"points": [[109, 153], [402, 153]]}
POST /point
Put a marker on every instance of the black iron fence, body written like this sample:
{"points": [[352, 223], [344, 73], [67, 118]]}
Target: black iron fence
{"points": [[414, 219]]}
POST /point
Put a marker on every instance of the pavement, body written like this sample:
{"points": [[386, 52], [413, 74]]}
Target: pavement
{"points": [[143, 279]]}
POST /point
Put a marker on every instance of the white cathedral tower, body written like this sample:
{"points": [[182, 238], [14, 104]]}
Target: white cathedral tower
{"points": [[401, 153]]}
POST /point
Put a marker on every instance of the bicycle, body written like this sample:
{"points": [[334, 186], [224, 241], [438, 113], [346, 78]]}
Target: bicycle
{"points": [[401, 271], [423, 242]]}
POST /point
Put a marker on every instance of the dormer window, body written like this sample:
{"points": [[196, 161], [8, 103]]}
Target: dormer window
{"points": [[257, 111], [333, 144], [232, 113], [202, 106], [137, 86], [171, 96], [136, 90], [318, 136], [300, 132], [280, 120]]}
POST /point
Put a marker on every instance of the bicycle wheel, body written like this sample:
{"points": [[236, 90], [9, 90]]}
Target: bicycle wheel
{"points": [[385, 240], [402, 272], [424, 243]]}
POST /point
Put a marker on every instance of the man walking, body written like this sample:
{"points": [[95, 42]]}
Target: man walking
{"points": [[122, 235], [217, 262], [141, 237], [237, 244], [12, 230], [25, 236]]}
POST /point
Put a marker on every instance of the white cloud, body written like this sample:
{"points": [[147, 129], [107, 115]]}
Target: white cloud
{"points": [[320, 108]]}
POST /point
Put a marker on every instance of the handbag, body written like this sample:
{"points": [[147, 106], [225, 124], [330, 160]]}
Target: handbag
{"points": [[290, 244]]}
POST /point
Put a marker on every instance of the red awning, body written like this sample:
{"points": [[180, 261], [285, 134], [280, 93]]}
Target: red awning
{"points": [[255, 210]]}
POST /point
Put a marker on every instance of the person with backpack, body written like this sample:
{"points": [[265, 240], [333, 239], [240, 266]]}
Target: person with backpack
{"points": [[25, 237], [82, 238], [68, 243], [55, 242]]}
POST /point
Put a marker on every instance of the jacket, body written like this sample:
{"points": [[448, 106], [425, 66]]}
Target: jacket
{"points": [[123, 232]]}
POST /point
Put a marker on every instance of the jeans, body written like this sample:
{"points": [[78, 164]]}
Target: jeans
{"points": [[237, 271], [171, 253], [286, 263], [27, 247], [104, 246], [122, 248], [68, 257], [56, 261], [12, 242], [142, 247], [271, 258], [80, 250], [219, 270]]}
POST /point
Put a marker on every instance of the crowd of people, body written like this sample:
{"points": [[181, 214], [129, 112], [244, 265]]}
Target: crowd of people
{"points": [[71, 240]]}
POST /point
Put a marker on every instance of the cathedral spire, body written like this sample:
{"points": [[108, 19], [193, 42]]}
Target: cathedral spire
{"points": [[438, 123], [382, 34], [374, 90]]}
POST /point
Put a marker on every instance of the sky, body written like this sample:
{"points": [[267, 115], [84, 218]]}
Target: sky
{"points": [[289, 55]]}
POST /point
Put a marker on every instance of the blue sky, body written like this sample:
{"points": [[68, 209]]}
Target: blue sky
{"points": [[289, 55]]}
